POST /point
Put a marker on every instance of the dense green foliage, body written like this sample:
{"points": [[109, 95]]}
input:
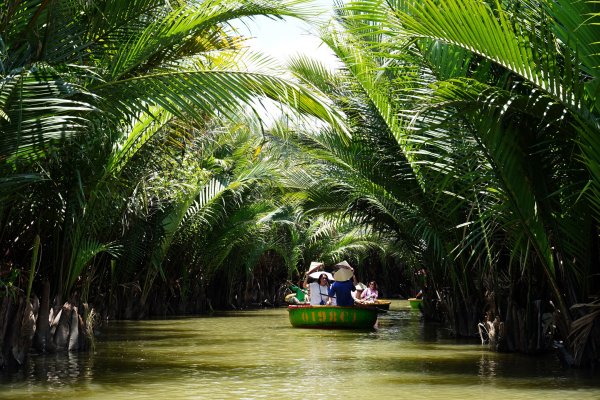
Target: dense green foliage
{"points": [[474, 129], [456, 140], [131, 149]]}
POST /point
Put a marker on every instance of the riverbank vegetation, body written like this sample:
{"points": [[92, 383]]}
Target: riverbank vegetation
{"points": [[454, 148]]}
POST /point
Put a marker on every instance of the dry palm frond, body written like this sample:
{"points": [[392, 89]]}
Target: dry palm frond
{"points": [[580, 338]]}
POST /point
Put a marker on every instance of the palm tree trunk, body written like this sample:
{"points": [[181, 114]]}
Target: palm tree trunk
{"points": [[42, 331]]}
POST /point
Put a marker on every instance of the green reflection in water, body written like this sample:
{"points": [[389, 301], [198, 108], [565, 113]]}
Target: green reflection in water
{"points": [[258, 355]]}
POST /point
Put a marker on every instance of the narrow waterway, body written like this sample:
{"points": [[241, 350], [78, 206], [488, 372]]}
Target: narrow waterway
{"points": [[258, 355]]}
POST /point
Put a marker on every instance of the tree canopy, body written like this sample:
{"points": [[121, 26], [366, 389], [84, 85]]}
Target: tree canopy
{"points": [[455, 147]]}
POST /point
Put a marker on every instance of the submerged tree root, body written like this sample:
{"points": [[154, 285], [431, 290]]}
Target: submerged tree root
{"points": [[25, 326], [534, 331]]}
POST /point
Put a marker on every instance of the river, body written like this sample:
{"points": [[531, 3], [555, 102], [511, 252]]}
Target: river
{"points": [[258, 355]]}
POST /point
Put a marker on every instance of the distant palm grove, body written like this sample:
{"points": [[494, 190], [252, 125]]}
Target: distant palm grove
{"points": [[455, 149]]}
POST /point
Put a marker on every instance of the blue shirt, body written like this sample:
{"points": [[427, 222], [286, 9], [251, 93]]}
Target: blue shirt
{"points": [[343, 292]]}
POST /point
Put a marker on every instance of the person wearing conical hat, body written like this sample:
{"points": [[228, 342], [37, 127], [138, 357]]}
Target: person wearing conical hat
{"points": [[343, 285], [313, 269], [318, 289], [360, 287]]}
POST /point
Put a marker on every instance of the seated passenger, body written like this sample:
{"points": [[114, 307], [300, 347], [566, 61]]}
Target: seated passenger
{"points": [[360, 287], [298, 295], [370, 294], [318, 291]]}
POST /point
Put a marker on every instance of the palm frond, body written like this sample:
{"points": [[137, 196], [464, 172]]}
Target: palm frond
{"points": [[38, 106]]}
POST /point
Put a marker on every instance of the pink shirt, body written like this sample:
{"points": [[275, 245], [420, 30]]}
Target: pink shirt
{"points": [[370, 294]]}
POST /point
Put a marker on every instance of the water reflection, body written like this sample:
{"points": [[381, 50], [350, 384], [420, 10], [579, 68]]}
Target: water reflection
{"points": [[257, 354], [55, 370]]}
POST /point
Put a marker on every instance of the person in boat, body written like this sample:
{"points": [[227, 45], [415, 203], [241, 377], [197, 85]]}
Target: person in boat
{"points": [[318, 290], [298, 295], [343, 285], [360, 287], [371, 293]]}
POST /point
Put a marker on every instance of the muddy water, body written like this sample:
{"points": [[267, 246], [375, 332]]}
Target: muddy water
{"points": [[258, 355]]}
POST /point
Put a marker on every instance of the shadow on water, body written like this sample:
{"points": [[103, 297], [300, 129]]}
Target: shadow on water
{"points": [[442, 355], [257, 354]]}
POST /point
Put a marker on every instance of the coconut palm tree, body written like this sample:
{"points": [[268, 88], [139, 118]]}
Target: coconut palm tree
{"points": [[492, 107], [86, 86], [129, 69]]}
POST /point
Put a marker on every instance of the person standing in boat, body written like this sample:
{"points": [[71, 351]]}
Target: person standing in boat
{"points": [[343, 286], [371, 293]]}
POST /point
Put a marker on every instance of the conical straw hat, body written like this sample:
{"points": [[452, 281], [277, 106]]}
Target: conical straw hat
{"points": [[317, 274], [343, 264], [343, 274]]}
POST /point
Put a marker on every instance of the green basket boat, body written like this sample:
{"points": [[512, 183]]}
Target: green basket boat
{"points": [[332, 317], [415, 304]]}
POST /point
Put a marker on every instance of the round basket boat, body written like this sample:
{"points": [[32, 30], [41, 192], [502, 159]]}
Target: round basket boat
{"points": [[380, 305], [415, 303], [332, 317]]}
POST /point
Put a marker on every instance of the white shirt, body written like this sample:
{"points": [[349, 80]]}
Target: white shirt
{"points": [[318, 293]]}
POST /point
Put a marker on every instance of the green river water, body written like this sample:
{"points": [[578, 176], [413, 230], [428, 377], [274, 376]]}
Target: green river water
{"points": [[258, 355]]}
